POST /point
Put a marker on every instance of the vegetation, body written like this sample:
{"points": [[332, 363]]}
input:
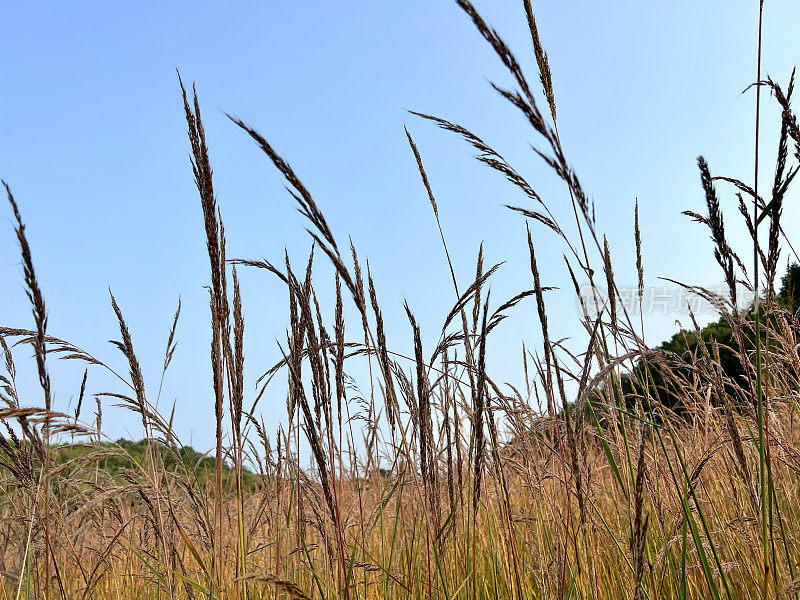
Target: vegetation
{"points": [[430, 478], [123, 456], [720, 334]]}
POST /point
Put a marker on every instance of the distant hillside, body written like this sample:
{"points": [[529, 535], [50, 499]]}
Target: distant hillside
{"points": [[125, 454]]}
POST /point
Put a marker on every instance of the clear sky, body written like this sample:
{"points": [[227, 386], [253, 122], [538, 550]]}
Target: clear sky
{"points": [[92, 142]]}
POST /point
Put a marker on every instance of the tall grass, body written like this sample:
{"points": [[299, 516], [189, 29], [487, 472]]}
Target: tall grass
{"points": [[430, 478]]}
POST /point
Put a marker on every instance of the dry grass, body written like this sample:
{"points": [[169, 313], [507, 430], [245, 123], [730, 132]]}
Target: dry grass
{"points": [[445, 486]]}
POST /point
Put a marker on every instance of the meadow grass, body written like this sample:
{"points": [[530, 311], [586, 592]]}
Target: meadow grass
{"points": [[672, 479]]}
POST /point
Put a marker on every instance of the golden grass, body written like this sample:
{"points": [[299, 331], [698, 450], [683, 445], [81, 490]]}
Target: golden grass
{"points": [[681, 483]]}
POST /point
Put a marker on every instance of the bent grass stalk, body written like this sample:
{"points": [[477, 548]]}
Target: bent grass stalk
{"points": [[617, 470]]}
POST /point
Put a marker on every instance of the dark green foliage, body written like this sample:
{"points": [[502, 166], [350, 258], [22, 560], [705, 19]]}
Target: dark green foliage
{"points": [[132, 453], [720, 331], [789, 294], [684, 345]]}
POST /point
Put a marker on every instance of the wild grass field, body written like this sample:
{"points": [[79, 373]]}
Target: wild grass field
{"points": [[620, 471]]}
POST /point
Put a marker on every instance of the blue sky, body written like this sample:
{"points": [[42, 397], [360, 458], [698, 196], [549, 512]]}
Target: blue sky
{"points": [[92, 142]]}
